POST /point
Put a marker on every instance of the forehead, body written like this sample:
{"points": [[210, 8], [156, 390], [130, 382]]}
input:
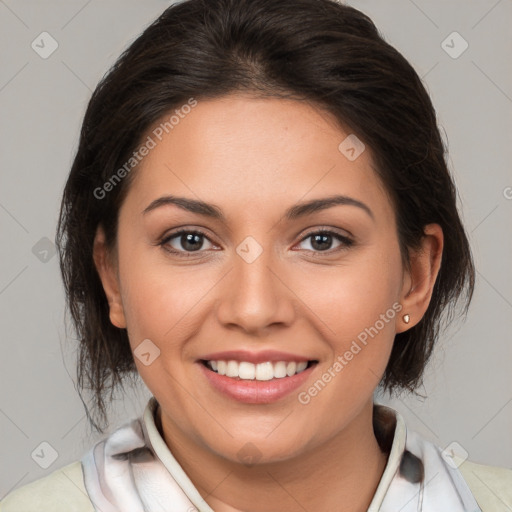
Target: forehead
{"points": [[253, 152]]}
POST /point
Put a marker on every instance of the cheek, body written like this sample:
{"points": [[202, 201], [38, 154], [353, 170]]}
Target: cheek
{"points": [[154, 303], [359, 302], [157, 307], [159, 299], [353, 295]]}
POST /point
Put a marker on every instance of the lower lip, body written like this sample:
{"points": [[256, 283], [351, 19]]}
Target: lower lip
{"points": [[256, 391]]}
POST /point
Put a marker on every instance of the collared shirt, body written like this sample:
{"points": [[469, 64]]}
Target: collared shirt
{"points": [[133, 470]]}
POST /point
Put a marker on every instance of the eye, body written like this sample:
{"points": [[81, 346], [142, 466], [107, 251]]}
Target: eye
{"points": [[185, 241], [321, 241]]}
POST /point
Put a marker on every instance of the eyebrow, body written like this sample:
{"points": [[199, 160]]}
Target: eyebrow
{"points": [[294, 212]]}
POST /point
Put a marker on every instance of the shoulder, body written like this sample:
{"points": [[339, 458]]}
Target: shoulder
{"points": [[60, 491], [491, 485]]}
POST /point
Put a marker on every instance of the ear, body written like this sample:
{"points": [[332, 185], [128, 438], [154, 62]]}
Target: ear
{"points": [[107, 271], [420, 278]]}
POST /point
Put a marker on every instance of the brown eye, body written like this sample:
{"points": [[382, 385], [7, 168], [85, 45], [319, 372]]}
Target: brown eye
{"points": [[322, 241], [185, 241]]}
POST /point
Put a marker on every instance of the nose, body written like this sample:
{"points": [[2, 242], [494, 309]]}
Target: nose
{"points": [[255, 296]]}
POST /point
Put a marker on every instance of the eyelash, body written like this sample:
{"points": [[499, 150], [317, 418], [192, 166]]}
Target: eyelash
{"points": [[346, 242]]}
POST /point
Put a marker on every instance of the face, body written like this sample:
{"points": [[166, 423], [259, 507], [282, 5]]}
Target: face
{"points": [[256, 278]]}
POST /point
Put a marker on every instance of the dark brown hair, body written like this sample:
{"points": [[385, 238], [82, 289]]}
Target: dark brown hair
{"points": [[319, 51]]}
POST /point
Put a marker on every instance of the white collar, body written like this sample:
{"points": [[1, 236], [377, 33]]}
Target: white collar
{"points": [[133, 470]]}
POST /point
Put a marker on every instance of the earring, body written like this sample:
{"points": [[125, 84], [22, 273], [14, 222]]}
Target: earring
{"points": [[406, 318]]}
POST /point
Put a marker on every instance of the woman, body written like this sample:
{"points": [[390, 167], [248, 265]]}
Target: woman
{"points": [[259, 221]]}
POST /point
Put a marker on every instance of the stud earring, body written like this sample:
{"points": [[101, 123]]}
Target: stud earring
{"points": [[406, 318]]}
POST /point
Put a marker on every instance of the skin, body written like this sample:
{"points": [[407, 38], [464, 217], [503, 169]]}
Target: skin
{"points": [[254, 158]]}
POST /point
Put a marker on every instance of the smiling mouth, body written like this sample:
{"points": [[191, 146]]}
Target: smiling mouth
{"points": [[244, 370]]}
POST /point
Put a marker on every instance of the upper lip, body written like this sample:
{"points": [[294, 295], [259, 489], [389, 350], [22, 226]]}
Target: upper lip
{"points": [[254, 357]]}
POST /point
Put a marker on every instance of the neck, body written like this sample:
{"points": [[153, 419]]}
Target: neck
{"points": [[341, 474]]}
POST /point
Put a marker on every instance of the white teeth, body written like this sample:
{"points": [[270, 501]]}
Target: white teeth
{"points": [[221, 367], [245, 370], [290, 369], [264, 371], [301, 366], [261, 371], [232, 369], [280, 370]]}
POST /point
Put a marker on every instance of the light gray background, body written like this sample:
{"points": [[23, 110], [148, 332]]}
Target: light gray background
{"points": [[469, 383]]}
